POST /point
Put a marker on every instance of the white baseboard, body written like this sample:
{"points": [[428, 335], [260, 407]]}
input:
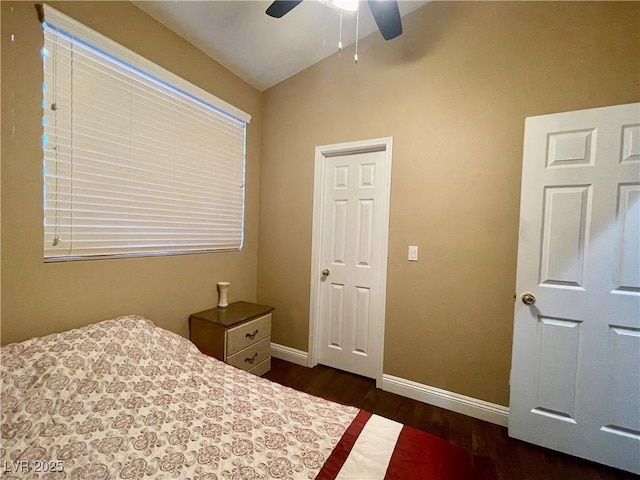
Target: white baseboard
{"points": [[289, 354], [472, 407]]}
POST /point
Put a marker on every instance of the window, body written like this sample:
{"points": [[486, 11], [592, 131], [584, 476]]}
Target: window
{"points": [[137, 161]]}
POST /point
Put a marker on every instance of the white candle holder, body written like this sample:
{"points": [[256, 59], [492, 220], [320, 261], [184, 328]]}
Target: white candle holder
{"points": [[223, 289]]}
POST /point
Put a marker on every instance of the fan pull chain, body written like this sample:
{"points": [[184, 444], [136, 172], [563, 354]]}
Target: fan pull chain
{"points": [[355, 58], [340, 39]]}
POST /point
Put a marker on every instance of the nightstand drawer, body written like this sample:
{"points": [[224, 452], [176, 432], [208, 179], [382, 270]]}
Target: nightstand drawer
{"points": [[251, 356], [262, 368], [247, 334]]}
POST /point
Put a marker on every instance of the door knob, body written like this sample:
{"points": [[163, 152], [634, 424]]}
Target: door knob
{"points": [[528, 298], [325, 272]]}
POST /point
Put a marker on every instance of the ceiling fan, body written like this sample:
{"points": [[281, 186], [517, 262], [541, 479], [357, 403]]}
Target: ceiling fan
{"points": [[385, 12]]}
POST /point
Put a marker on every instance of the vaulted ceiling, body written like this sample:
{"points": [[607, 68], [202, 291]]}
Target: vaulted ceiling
{"points": [[260, 49]]}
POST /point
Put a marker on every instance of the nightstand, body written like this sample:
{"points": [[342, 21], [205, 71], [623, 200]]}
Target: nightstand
{"points": [[239, 335]]}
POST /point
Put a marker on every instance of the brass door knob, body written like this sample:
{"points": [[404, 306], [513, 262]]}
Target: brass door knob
{"points": [[325, 272], [528, 298]]}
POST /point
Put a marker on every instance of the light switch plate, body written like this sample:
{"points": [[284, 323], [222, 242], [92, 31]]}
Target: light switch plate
{"points": [[413, 253]]}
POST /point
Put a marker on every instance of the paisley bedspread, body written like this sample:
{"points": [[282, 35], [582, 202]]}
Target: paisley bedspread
{"points": [[125, 399]]}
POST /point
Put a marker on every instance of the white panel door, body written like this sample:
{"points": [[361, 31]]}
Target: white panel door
{"points": [[351, 307], [575, 380]]}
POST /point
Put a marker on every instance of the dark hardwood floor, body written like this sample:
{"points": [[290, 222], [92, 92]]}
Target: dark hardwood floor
{"points": [[494, 454]]}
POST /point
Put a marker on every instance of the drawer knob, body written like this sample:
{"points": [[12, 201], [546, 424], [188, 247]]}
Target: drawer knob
{"points": [[251, 336], [250, 360]]}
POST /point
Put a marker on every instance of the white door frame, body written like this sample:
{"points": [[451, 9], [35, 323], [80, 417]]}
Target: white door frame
{"points": [[322, 153]]}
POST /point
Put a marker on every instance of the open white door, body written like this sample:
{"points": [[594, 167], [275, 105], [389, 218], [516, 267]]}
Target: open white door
{"points": [[349, 264], [575, 380]]}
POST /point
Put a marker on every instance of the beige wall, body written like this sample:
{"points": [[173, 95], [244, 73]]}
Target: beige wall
{"points": [[453, 91], [38, 299]]}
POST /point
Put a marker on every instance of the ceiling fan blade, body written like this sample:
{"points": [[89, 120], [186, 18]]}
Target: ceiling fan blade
{"points": [[280, 8], [387, 15]]}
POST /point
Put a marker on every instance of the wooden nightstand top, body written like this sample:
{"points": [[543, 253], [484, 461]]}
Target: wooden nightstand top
{"points": [[236, 312]]}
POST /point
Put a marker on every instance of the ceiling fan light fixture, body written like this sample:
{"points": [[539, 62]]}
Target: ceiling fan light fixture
{"points": [[386, 13], [348, 5]]}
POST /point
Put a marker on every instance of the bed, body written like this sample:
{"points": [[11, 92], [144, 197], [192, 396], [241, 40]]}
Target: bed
{"points": [[126, 399]]}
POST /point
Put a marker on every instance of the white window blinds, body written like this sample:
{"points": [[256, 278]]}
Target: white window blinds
{"points": [[136, 160]]}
